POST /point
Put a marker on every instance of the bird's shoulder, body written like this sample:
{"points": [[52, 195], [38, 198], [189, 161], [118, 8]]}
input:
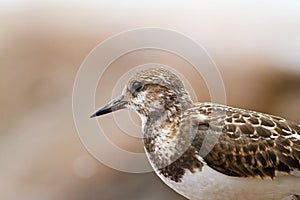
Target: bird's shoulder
{"points": [[243, 143]]}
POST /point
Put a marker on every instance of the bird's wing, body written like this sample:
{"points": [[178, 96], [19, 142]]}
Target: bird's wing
{"points": [[248, 144]]}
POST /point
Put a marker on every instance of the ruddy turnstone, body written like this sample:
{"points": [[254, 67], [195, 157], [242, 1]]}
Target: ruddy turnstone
{"points": [[211, 151]]}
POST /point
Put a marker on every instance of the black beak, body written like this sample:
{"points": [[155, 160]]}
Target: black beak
{"points": [[116, 104]]}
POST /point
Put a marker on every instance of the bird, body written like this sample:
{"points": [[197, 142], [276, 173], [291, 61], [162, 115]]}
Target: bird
{"points": [[205, 150]]}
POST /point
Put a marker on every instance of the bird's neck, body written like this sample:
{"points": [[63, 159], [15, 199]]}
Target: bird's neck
{"points": [[165, 114], [162, 139], [162, 121]]}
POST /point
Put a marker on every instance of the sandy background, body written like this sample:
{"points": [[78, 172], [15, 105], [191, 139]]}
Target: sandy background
{"points": [[42, 45]]}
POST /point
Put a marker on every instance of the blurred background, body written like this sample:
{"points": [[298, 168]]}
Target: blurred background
{"points": [[256, 46]]}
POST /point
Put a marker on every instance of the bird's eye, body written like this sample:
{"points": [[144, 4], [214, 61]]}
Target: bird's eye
{"points": [[136, 86]]}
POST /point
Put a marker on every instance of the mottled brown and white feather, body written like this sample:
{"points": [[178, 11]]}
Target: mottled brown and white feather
{"points": [[249, 143]]}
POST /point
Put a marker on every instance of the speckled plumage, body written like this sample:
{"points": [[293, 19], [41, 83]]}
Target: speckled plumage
{"points": [[209, 147]]}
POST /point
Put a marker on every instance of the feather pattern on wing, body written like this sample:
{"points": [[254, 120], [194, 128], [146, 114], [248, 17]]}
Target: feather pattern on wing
{"points": [[249, 144]]}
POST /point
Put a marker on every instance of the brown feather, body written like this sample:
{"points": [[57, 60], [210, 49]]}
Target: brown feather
{"points": [[251, 144]]}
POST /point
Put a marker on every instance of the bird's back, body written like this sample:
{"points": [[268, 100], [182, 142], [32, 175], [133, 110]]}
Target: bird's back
{"points": [[247, 143], [245, 154]]}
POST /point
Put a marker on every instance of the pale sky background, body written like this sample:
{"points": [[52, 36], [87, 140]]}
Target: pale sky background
{"points": [[268, 28]]}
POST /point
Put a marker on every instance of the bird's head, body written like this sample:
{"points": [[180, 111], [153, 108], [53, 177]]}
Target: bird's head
{"points": [[150, 91]]}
